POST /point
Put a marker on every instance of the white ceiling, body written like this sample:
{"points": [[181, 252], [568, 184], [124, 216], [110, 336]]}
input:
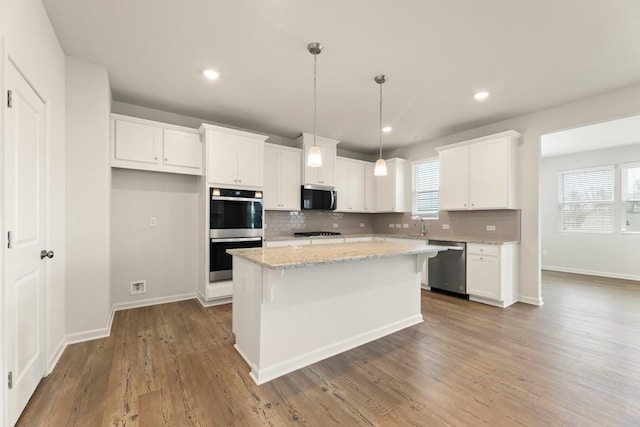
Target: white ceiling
{"points": [[599, 136], [529, 54]]}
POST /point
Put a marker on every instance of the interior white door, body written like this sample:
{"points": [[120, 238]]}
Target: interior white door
{"points": [[25, 207]]}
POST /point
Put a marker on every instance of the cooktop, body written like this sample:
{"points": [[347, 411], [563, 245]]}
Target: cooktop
{"points": [[317, 233]]}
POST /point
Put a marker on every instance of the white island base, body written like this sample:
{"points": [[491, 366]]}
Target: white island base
{"points": [[286, 319]]}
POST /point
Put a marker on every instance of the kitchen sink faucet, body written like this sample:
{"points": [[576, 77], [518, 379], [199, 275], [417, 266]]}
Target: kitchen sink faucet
{"points": [[423, 228]]}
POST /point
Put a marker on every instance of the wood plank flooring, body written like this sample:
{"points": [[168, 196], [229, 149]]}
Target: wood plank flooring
{"points": [[574, 361]]}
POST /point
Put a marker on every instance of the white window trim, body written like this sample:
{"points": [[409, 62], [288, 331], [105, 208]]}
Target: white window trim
{"points": [[560, 173], [414, 211], [623, 197]]}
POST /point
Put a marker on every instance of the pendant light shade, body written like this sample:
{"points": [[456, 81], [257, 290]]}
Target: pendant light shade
{"points": [[381, 166], [314, 158]]}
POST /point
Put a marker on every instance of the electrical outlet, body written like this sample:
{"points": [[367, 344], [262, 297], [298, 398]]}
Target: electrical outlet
{"points": [[398, 225], [335, 225], [138, 287], [153, 221], [545, 252], [405, 225], [491, 228], [391, 225], [445, 226], [362, 225]]}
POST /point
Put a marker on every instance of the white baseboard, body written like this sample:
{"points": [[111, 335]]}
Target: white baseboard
{"points": [[56, 354], [530, 300], [89, 335], [591, 272], [211, 303], [152, 301], [271, 372]]}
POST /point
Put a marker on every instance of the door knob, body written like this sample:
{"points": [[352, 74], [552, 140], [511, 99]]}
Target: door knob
{"points": [[46, 254]]}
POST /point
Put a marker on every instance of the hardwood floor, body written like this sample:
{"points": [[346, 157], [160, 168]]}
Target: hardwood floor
{"points": [[573, 361]]}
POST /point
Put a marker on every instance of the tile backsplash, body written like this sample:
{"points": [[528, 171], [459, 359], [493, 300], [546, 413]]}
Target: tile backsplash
{"points": [[285, 223], [462, 225], [469, 225]]}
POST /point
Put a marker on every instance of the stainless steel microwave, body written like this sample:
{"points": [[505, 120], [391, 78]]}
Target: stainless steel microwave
{"points": [[321, 198]]}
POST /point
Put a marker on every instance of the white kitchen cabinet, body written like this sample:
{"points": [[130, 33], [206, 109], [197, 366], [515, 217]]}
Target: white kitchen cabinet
{"points": [[480, 174], [323, 175], [326, 240], [154, 146], [234, 158], [390, 189], [292, 242], [282, 178], [349, 183], [492, 273], [369, 188], [358, 239]]}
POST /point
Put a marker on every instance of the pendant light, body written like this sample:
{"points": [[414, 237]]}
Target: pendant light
{"points": [[314, 158], [381, 166]]}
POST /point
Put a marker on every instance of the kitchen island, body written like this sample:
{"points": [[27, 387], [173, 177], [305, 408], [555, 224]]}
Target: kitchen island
{"points": [[294, 306]]}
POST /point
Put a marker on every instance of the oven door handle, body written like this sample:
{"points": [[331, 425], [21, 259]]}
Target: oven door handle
{"points": [[237, 239], [235, 199]]}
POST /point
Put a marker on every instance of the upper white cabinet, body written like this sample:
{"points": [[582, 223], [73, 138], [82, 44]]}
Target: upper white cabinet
{"points": [[369, 188], [492, 273], [480, 174], [234, 158], [282, 180], [323, 175], [350, 184], [154, 146], [390, 189]]}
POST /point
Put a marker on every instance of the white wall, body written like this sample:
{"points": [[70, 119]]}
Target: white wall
{"points": [[612, 105], [609, 255], [166, 256], [32, 45], [88, 299]]}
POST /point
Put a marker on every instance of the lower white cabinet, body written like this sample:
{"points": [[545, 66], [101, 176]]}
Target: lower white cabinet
{"points": [[292, 242], [492, 273]]}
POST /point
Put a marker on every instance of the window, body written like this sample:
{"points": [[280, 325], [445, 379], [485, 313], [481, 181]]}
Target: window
{"points": [[426, 184], [631, 198], [586, 200]]}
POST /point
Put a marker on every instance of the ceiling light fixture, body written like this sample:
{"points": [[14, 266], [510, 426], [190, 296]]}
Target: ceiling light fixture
{"points": [[314, 158], [481, 96], [387, 129], [211, 74], [381, 166]]}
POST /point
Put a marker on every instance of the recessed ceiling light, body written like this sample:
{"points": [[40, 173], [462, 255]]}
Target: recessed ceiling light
{"points": [[211, 74], [387, 129], [481, 96], [418, 138]]}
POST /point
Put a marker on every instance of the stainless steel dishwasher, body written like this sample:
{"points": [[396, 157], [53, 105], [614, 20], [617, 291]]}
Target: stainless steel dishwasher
{"points": [[448, 269]]}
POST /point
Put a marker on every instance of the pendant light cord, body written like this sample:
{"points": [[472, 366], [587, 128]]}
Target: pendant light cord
{"points": [[380, 128], [315, 101]]}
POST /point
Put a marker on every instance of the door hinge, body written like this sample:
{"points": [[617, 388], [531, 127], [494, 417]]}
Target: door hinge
{"points": [[8, 240], [10, 98], [10, 380]]}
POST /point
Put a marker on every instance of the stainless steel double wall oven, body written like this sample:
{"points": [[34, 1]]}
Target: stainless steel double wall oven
{"points": [[235, 221]]}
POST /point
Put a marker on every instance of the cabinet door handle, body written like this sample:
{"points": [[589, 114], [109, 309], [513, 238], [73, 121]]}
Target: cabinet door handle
{"points": [[166, 159], [155, 158]]}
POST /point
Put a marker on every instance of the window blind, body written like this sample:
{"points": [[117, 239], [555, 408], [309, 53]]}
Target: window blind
{"points": [[427, 175], [586, 200], [631, 198]]}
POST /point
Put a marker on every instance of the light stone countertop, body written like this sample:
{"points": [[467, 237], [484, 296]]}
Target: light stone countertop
{"points": [[303, 256], [398, 236]]}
